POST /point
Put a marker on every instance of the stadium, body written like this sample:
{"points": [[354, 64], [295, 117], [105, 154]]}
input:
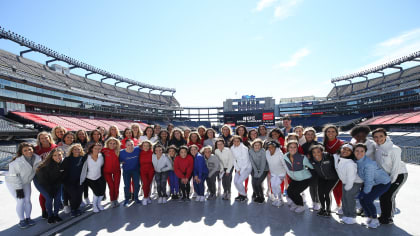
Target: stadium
{"points": [[38, 96]]}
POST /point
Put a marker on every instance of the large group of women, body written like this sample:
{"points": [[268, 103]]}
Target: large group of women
{"points": [[64, 165]]}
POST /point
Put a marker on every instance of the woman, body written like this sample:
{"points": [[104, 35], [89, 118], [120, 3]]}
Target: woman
{"points": [[327, 177], [200, 172], [299, 131], [262, 132], [209, 137], [347, 172], [147, 170], [170, 127], [252, 135], [22, 170], [359, 135], [243, 133], [226, 167], [294, 136], [135, 127], [277, 167], [183, 168], [332, 144], [297, 169], [68, 140], [49, 177], [310, 138], [177, 138], [259, 169], [162, 165], [156, 130], [226, 134], [187, 132], [163, 138], [201, 131], [148, 135], [376, 182], [82, 138], [213, 166], [277, 136], [57, 133], [128, 134], [114, 132], [103, 132], [173, 179], [95, 137], [72, 166], [112, 171], [194, 139], [92, 175], [388, 156], [129, 158], [45, 145], [242, 165]]}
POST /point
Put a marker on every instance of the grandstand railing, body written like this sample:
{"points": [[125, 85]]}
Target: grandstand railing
{"points": [[410, 154]]}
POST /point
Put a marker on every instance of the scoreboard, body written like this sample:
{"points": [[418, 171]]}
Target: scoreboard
{"points": [[250, 118]]}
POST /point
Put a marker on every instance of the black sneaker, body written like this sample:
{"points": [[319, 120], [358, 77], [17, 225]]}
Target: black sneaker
{"points": [[254, 196], [30, 222], [321, 212], [78, 212], [243, 198], [175, 196], [57, 218], [51, 220], [385, 221], [238, 198], [327, 214], [44, 215]]}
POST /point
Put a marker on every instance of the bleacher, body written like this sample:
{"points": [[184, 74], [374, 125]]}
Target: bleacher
{"points": [[9, 129], [40, 74], [320, 121], [392, 119]]}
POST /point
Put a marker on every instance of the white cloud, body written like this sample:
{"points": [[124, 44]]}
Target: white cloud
{"points": [[285, 9], [262, 4], [294, 59], [400, 39]]}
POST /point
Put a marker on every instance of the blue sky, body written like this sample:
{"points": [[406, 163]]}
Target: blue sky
{"points": [[218, 49]]}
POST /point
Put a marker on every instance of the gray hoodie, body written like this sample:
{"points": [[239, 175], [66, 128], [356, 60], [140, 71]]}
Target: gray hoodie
{"points": [[258, 162], [213, 164]]}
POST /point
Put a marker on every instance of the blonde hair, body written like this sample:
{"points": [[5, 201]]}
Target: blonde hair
{"points": [[140, 132], [38, 142], [116, 128], [53, 135], [73, 146], [291, 135], [205, 148], [118, 148]]}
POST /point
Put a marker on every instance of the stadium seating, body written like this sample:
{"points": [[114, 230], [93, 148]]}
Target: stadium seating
{"points": [[390, 119], [9, 129], [320, 121]]}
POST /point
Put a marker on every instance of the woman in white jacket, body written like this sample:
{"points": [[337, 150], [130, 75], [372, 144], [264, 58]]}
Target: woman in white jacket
{"points": [[242, 165], [346, 169], [21, 173], [277, 168], [388, 156], [226, 166], [162, 165]]}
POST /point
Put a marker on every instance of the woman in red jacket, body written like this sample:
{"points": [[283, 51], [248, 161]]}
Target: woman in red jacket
{"points": [[112, 171], [194, 138], [147, 171], [183, 168], [332, 144]]}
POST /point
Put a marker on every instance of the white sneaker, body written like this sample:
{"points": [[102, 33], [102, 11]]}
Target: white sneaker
{"points": [[300, 209], [164, 200], [197, 199], [340, 211], [293, 207], [95, 209], [100, 207], [160, 200], [289, 201], [149, 201], [280, 202], [194, 195], [144, 202], [87, 201], [316, 206], [349, 220], [66, 209], [368, 220], [274, 202], [374, 224], [202, 199]]}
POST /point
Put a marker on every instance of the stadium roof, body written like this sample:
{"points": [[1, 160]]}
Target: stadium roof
{"points": [[75, 63], [415, 56]]}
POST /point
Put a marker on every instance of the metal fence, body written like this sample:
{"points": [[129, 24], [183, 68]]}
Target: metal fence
{"points": [[410, 154]]}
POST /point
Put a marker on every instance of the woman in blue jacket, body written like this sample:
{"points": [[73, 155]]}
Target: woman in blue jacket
{"points": [[376, 182], [200, 173]]}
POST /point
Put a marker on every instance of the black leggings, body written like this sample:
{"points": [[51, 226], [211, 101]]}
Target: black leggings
{"points": [[185, 188], [325, 186], [85, 190], [257, 184], [98, 186], [295, 189], [75, 192], [387, 200]]}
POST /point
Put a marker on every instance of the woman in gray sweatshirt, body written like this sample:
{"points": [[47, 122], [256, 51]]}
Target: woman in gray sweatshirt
{"points": [[259, 169], [213, 164], [162, 165]]}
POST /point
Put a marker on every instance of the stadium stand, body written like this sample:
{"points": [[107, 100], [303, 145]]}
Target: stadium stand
{"points": [[10, 129], [392, 119]]}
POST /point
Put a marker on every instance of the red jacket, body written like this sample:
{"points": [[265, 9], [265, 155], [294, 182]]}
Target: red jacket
{"points": [[136, 142], [199, 145], [43, 152], [183, 167], [112, 162], [333, 146], [283, 148], [146, 160]]}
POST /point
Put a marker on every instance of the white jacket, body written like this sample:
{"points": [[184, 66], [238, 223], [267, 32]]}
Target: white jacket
{"points": [[241, 157], [276, 162], [226, 159], [371, 147], [388, 156], [347, 171], [21, 172], [163, 164]]}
